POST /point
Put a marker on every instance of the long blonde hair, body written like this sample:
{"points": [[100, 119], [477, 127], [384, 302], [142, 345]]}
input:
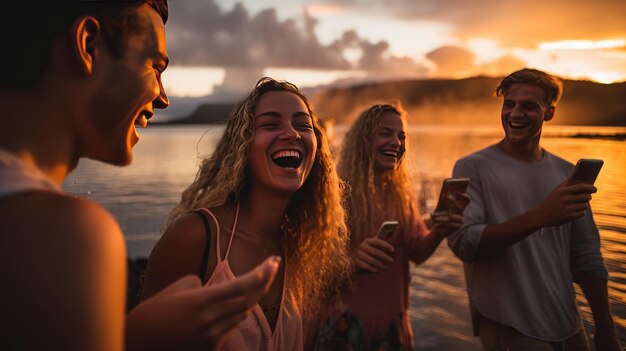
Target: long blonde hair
{"points": [[314, 229], [395, 197]]}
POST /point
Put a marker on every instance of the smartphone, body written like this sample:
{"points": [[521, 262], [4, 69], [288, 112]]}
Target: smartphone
{"points": [[450, 199], [387, 229], [586, 171]]}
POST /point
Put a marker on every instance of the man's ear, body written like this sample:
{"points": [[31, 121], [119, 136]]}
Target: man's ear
{"points": [[86, 35], [549, 113]]}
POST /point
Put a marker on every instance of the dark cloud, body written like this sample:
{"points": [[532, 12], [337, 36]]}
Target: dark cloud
{"points": [[200, 33], [374, 59], [516, 23]]}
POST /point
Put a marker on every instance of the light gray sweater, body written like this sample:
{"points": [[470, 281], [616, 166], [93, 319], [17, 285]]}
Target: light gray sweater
{"points": [[529, 285]]}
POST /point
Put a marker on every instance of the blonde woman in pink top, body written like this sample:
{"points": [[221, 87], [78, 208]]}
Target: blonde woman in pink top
{"points": [[269, 189], [374, 164]]}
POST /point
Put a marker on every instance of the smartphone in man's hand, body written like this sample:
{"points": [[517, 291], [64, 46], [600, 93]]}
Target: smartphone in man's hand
{"points": [[451, 199], [586, 171]]}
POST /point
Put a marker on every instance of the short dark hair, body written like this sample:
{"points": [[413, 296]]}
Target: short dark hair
{"points": [[552, 85], [29, 28]]}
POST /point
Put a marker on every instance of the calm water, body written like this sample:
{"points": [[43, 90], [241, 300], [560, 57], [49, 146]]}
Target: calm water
{"points": [[166, 159]]}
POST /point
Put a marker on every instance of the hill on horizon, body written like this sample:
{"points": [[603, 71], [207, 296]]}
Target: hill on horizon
{"points": [[471, 101], [450, 101]]}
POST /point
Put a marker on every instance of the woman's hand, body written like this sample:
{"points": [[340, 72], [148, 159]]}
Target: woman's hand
{"points": [[446, 224], [373, 255]]}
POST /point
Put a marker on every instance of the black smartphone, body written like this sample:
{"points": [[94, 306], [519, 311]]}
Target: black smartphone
{"points": [[586, 171], [450, 199], [387, 229]]}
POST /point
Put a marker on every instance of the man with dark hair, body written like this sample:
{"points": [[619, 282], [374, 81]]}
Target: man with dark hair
{"points": [[79, 77], [527, 235]]}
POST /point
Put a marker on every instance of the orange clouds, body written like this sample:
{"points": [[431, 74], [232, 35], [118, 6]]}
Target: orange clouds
{"points": [[522, 23], [457, 62]]}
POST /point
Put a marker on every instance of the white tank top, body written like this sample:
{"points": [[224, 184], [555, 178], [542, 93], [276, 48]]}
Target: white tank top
{"points": [[17, 176]]}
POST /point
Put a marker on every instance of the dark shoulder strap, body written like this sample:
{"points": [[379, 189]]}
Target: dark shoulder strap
{"points": [[207, 245]]}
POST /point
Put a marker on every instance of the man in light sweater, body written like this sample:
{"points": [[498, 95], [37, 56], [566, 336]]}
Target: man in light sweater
{"points": [[527, 235]]}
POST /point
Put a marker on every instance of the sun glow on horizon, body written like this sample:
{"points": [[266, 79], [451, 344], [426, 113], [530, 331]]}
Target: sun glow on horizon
{"points": [[192, 81], [201, 81], [310, 77], [485, 49], [599, 65], [324, 9], [583, 44], [606, 77]]}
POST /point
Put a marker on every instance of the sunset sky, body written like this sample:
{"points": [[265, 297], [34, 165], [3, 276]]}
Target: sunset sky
{"points": [[224, 46]]}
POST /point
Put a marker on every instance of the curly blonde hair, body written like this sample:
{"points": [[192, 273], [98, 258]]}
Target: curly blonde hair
{"points": [[314, 229], [395, 197]]}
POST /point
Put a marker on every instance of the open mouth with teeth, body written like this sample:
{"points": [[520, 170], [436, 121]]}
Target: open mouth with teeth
{"points": [[518, 125], [287, 159], [390, 153]]}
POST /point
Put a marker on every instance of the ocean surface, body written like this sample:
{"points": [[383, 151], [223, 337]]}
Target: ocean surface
{"points": [[165, 162]]}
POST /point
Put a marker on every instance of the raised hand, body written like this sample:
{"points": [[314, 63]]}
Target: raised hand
{"points": [[565, 203], [445, 224], [189, 316]]}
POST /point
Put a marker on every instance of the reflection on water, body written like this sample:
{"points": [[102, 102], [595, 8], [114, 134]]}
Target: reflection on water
{"points": [[140, 197]]}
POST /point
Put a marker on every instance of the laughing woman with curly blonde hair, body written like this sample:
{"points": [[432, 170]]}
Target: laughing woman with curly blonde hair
{"points": [[374, 164], [269, 189]]}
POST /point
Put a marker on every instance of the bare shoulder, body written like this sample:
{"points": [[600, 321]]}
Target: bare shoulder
{"points": [[52, 217], [178, 253], [186, 232], [61, 253]]}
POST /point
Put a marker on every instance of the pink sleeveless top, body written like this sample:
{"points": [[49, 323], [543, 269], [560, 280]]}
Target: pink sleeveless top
{"points": [[254, 332]]}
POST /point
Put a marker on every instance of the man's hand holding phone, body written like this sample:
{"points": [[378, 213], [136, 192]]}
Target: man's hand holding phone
{"points": [[570, 199], [564, 204]]}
